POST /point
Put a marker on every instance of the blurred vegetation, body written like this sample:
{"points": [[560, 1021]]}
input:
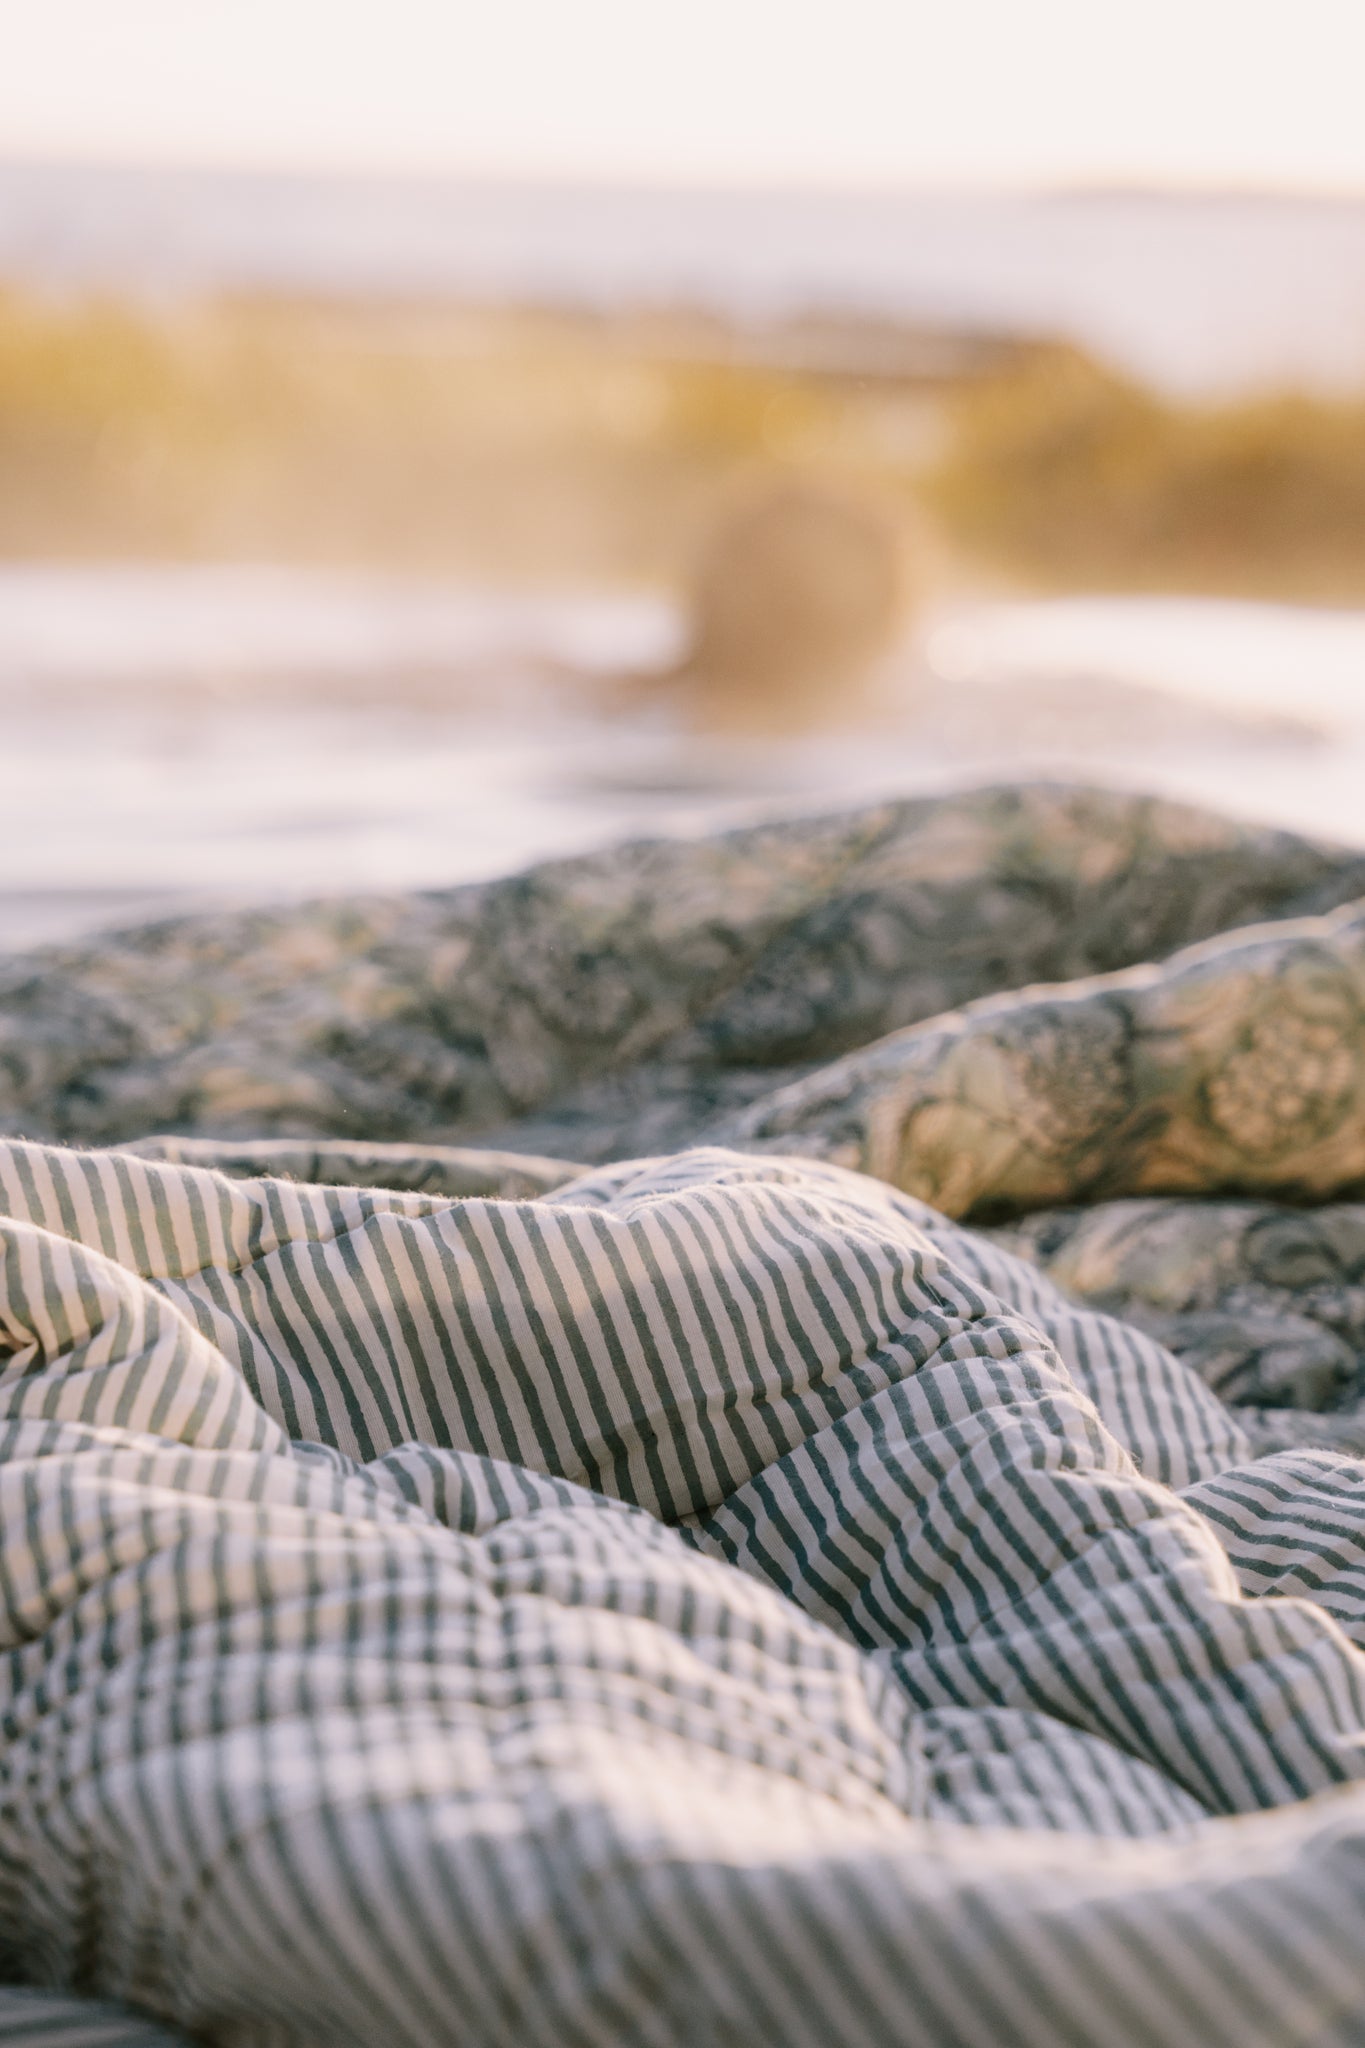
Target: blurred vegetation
{"points": [[434, 439], [505, 442], [1063, 474]]}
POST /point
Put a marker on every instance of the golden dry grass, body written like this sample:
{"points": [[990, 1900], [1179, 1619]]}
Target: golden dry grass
{"points": [[511, 443], [1064, 474], [479, 443]]}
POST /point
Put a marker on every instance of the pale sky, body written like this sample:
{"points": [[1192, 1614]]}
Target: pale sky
{"points": [[900, 92]]}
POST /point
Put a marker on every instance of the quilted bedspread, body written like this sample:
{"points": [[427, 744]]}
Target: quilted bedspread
{"points": [[888, 1569]]}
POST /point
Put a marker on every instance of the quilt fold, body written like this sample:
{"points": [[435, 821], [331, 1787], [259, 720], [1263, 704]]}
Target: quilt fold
{"points": [[883, 1564]]}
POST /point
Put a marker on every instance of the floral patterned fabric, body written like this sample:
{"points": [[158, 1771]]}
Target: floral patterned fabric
{"points": [[1237, 1066], [624, 1003], [1265, 1301]]}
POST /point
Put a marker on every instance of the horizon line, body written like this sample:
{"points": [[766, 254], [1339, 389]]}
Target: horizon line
{"points": [[678, 185]]}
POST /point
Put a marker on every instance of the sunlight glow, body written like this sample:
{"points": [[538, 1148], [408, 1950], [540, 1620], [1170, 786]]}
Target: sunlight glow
{"points": [[1206, 92]]}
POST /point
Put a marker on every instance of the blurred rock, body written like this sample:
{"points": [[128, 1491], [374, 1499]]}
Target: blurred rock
{"points": [[799, 591]]}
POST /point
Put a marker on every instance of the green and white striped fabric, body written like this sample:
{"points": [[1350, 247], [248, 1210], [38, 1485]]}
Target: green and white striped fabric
{"points": [[718, 1603]]}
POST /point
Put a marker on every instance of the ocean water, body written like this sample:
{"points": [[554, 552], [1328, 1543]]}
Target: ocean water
{"points": [[176, 736]]}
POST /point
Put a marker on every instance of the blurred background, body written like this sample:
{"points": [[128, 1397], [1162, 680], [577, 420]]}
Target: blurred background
{"points": [[436, 435]]}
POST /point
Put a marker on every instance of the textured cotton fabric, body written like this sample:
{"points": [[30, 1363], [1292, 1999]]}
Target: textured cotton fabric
{"points": [[719, 1602], [40, 2019]]}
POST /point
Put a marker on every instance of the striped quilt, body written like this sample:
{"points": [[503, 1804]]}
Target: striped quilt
{"points": [[717, 1600]]}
